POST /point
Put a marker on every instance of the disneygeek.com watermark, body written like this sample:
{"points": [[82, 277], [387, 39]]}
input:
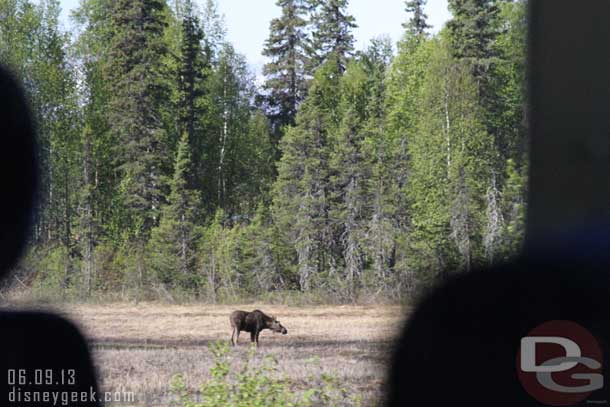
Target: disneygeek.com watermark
{"points": [[58, 388], [560, 364], [18, 396]]}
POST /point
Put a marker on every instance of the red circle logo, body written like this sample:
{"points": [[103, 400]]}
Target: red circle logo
{"points": [[559, 363]]}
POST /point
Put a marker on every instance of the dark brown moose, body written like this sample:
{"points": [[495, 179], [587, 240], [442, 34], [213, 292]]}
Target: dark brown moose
{"points": [[253, 322]]}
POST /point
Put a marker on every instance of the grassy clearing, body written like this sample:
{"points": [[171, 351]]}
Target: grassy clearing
{"points": [[141, 348]]}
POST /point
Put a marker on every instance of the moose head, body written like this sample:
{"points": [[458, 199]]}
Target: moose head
{"points": [[275, 326]]}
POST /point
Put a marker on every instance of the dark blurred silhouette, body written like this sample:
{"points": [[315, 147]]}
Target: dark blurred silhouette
{"points": [[44, 360], [461, 344]]}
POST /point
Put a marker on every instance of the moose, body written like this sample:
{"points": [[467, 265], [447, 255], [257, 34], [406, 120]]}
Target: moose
{"points": [[253, 322]]}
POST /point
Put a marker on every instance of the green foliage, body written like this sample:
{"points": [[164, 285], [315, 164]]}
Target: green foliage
{"points": [[513, 209], [219, 259], [263, 256], [173, 242], [286, 74], [134, 70], [417, 24], [192, 71], [53, 271], [237, 136], [473, 31], [258, 385], [506, 109], [450, 168], [161, 169], [332, 33], [302, 190]]}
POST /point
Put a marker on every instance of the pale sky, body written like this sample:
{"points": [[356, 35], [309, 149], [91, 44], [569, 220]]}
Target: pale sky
{"points": [[248, 21]]}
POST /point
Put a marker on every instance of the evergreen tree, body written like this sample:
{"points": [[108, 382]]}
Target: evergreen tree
{"points": [[155, 155], [135, 72], [92, 49], [332, 33], [473, 31], [100, 221], [387, 210], [138, 94], [393, 260], [193, 71], [507, 116], [301, 193], [286, 83], [349, 173], [509, 121], [35, 49], [418, 23], [260, 255], [173, 243]]}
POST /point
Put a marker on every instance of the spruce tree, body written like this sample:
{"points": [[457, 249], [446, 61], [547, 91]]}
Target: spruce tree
{"points": [[193, 71], [349, 173], [93, 48], [258, 254], [507, 107], [385, 161], [332, 33], [135, 72], [417, 24], [301, 193], [393, 260], [484, 34], [510, 123], [286, 83], [473, 31], [138, 93], [173, 244]]}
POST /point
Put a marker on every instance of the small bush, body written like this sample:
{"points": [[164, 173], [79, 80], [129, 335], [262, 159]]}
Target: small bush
{"points": [[259, 385]]}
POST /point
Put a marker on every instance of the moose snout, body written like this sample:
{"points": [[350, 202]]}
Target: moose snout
{"points": [[284, 331]]}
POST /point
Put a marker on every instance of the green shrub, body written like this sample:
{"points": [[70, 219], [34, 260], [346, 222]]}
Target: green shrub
{"points": [[259, 385]]}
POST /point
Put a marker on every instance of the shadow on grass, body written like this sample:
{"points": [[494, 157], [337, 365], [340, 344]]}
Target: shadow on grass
{"points": [[153, 344]]}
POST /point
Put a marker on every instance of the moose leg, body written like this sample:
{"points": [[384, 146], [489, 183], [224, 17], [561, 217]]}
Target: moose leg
{"points": [[237, 337], [252, 336], [233, 336], [257, 334]]}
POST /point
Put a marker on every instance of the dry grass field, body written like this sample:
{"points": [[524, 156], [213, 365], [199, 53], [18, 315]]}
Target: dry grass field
{"points": [[139, 348]]}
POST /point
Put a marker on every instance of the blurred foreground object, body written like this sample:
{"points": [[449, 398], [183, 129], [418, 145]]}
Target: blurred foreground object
{"points": [[468, 342], [44, 360]]}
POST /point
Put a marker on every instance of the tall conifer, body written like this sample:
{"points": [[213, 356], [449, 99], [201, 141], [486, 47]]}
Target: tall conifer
{"points": [[286, 47], [417, 24], [193, 71], [173, 243], [135, 72], [332, 33]]}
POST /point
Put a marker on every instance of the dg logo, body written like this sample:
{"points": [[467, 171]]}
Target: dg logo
{"points": [[560, 363]]}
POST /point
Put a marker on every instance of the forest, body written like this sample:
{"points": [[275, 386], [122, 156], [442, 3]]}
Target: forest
{"points": [[170, 171]]}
